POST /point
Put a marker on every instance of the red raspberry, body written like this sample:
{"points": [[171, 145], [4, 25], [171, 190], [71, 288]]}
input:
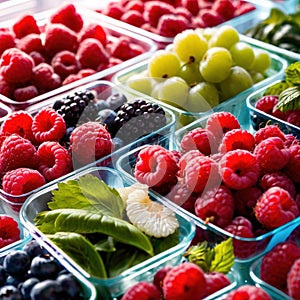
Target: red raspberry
{"points": [[71, 78], [6, 89], [221, 122], [199, 139], [268, 131], [155, 9], [277, 263], [37, 57], [216, 206], [58, 37], [225, 8], [54, 160], [182, 11], [170, 25], [266, 104], [133, 17], [25, 25], [123, 49], [91, 53], [142, 291], [9, 231], [271, 154], [293, 280], [192, 6], [48, 125], [184, 282], [159, 277], [113, 10], [17, 152], [155, 166], [186, 158], [137, 5], [293, 117], [244, 8], [22, 181], [93, 30], [237, 139], [248, 292], [215, 281], [278, 179], [292, 168], [239, 169], [18, 122], [90, 142], [7, 40], [210, 17], [275, 207], [201, 173], [68, 16], [290, 140], [65, 63], [16, 66], [31, 42], [25, 93]]}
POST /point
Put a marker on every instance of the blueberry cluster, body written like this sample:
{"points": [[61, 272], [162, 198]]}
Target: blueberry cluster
{"points": [[32, 273]]}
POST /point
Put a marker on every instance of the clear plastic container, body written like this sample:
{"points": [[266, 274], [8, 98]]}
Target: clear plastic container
{"points": [[4, 111], [10, 9], [289, 6], [102, 88], [116, 286], [113, 32]]}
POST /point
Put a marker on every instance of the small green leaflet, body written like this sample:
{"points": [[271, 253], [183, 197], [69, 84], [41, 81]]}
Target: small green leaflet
{"points": [[81, 251], [289, 99], [292, 73]]}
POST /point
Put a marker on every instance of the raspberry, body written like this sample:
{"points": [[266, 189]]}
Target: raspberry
{"points": [[268, 131], [266, 104], [210, 17], [290, 140], [25, 25], [6, 89], [185, 158], [154, 10], [65, 63], [7, 40], [89, 142], [275, 207], [9, 230], [182, 11], [159, 277], [155, 166], [16, 152], [58, 37], [278, 179], [277, 263], [54, 160], [170, 25], [16, 66], [215, 281], [21, 181], [244, 8], [137, 5], [133, 17], [239, 169], [294, 117], [113, 10], [225, 8], [248, 292], [237, 139], [142, 291], [184, 282], [271, 154], [221, 122], [201, 173], [123, 49], [293, 280], [37, 57], [199, 139], [48, 125], [93, 30], [91, 53], [68, 16], [25, 93], [31, 42], [191, 5], [216, 206], [18, 122], [292, 168]]}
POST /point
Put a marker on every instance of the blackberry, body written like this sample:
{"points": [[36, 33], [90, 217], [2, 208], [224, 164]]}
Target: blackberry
{"points": [[137, 119]]}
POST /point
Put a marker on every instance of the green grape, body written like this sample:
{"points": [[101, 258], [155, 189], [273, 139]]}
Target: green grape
{"points": [[261, 62], [141, 82], [189, 46], [207, 32], [190, 73], [215, 64], [242, 54], [238, 81], [225, 36], [174, 91], [202, 97], [256, 76], [163, 64], [156, 86]]}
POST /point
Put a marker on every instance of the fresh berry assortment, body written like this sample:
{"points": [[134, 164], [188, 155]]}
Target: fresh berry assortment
{"points": [[38, 58], [168, 18], [244, 183]]}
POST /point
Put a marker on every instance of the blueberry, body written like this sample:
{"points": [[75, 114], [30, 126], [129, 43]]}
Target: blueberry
{"points": [[15, 281], [3, 275], [10, 292], [118, 143], [107, 116], [17, 263], [44, 266], [116, 100], [26, 287], [33, 249], [48, 289], [101, 104], [70, 285]]}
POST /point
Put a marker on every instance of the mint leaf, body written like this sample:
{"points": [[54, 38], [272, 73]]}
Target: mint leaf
{"points": [[292, 73], [289, 99], [81, 251], [88, 192]]}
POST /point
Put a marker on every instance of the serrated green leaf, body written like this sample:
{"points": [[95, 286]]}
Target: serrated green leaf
{"points": [[84, 222], [276, 89], [81, 251], [292, 74], [289, 99]]}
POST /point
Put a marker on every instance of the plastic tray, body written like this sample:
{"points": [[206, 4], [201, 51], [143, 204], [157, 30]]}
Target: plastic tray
{"points": [[11, 9], [259, 118], [276, 70], [4, 111], [12, 203], [112, 287], [113, 32]]}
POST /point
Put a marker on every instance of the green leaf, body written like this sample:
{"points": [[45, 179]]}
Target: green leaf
{"points": [[163, 244], [84, 222], [81, 251], [276, 89], [292, 74], [88, 192], [276, 17], [289, 99], [106, 245]]}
